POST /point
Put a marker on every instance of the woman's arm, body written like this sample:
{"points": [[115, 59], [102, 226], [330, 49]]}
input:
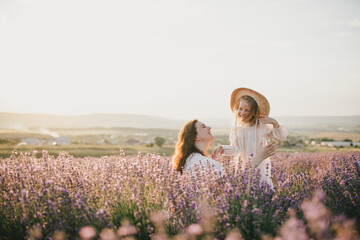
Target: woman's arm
{"points": [[263, 153]]}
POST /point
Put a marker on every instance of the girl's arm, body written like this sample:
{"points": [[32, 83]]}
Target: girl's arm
{"points": [[226, 149], [278, 133]]}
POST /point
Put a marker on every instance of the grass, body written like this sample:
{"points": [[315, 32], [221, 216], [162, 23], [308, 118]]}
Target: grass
{"points": [[95, 150]]}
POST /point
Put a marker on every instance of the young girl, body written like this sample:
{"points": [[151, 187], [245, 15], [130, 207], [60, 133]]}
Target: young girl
{"points": [[253, 128]]}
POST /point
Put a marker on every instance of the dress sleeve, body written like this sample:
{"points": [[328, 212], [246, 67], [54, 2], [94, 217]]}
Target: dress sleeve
{"points": [[279, 134]]}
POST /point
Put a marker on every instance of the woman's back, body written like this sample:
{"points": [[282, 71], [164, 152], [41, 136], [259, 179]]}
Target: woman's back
{"points": [[203, 163]]}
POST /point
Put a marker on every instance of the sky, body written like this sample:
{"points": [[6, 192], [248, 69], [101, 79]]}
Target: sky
{"points": [[179, 59]]}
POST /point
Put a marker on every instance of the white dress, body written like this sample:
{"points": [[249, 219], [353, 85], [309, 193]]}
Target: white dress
{"points": [[202, 162], [245, 140]]}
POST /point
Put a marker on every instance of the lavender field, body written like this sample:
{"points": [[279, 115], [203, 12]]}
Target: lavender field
{"points": [[316, 196]]}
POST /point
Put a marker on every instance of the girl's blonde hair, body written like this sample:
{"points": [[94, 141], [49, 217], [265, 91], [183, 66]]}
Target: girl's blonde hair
{"points": [[185, 145]]}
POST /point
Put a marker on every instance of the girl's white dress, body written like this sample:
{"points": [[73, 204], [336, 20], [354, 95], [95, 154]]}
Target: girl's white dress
{"points": [[245, 140], [202, 162]]}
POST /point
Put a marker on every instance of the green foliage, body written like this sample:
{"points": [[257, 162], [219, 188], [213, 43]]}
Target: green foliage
{"points": [[135, 213], [11, 226], [159, 141], [325, 139], [8, 141]]}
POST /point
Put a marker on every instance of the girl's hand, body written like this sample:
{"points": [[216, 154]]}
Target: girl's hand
{"points": [[268, 120]]}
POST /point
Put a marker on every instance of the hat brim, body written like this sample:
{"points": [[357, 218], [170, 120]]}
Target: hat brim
{"points": [[262, 102]]}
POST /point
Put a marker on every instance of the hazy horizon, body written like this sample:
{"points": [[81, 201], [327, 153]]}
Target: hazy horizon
{"points": [[139, 114], [26, 121]]}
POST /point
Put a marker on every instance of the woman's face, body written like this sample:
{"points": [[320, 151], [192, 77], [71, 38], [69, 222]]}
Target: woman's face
{"points": [[244, 111], [203, 132]]}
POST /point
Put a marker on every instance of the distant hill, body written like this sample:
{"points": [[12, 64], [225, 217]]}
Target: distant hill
{"points": [[315, 123], [310, 123], [26, 121]]}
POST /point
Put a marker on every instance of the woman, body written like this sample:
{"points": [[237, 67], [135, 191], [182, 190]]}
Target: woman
{"points": [[192, 146]]}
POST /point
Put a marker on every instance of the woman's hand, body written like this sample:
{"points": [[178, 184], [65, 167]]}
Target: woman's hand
{"points": [[264, 153], [268, 120], [217, 151]]}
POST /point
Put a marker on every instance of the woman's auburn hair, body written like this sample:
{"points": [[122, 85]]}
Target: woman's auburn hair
{"points": [[254, 108], [185, 145]]}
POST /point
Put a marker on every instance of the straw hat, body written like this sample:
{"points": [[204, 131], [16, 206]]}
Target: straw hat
{"points": [[261, 101]]}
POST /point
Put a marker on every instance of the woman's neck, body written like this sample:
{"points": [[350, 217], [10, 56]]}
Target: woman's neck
{"points": [[202, 146]]}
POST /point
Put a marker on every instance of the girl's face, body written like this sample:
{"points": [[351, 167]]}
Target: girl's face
{"points": [[244, 111], [203, 132]]}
